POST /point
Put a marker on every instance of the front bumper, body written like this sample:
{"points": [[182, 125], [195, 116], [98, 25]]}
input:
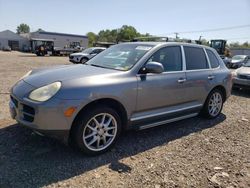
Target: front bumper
{"points": [[242, 83], [44, 117], [75, 59], [234, 65]]}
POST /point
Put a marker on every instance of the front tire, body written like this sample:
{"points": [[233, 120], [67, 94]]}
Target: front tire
{"points": [[84, 60], [97, 130], [213, 105]]}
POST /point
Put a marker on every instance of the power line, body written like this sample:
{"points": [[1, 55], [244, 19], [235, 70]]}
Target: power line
{"points": [[210, 30], [237, 38], [218, 29]]}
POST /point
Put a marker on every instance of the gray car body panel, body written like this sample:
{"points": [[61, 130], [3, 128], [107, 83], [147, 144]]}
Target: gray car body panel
{"points": [[143, 96]]}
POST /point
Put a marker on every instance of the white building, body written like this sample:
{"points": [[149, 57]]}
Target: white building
{"points": [[13, 40], [60, 39], [26, 41]]}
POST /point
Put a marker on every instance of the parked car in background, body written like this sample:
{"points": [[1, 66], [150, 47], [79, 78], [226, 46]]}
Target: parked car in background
{"points": [[227, 61], [241, 76], [7, 48], [85, 55], [238, 60], [128, 86]]}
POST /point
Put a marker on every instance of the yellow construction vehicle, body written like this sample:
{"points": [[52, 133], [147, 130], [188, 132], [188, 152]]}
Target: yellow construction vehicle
{"points": [[220, 46]]}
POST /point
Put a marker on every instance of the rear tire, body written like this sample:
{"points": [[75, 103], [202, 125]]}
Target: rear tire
{"points": [[95, 131], [213, 105]]}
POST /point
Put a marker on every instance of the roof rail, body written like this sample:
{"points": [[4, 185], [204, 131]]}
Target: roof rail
{"points": [[163, 39]]}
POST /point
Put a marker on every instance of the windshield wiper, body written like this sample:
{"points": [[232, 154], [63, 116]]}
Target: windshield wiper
{"points": [[94, 65]]}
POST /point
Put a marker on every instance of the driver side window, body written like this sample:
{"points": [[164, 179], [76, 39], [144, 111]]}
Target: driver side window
{"points": [[170, 57]]}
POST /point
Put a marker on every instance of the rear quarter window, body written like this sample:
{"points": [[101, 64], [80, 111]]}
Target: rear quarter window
{"points": [[214, 62], [195, 58]]}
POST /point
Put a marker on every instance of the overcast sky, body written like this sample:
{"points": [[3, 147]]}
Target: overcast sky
{"points": [[157, 17]]}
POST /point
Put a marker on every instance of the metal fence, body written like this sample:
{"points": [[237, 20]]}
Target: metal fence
{"points": [[240, 51]]}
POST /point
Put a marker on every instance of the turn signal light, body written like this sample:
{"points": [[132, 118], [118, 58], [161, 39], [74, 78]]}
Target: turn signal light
{"points": [[69, 111]]}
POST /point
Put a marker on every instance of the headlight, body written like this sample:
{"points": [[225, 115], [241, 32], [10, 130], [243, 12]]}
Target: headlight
{"points": [[46, 92], [24, 76]]}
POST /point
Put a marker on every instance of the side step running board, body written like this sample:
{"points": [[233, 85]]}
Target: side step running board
{"points": [[167, 121]]}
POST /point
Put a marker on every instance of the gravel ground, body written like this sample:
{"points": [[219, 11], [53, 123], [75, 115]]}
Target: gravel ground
{"points": [[189, 153]]}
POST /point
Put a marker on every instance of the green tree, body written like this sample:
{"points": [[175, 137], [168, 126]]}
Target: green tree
{"points": [[234, 45], [127, 33], [40, 30], [23, 28], [246, 45], [92, 38], [204, 42]]}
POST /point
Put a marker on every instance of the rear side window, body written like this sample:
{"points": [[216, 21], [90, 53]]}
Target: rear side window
{"points": [[195, 58], [169, 57], [213, 59]]}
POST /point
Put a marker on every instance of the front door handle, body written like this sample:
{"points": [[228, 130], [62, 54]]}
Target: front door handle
{"points": [[182, 80], [210, 77]]}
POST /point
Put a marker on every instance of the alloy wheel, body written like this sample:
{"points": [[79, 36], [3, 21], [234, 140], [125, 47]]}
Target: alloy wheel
{"points": [[215, 104], [100, 131]]}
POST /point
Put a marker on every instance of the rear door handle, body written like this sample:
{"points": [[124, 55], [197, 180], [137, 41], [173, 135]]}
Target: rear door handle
{"points": [[182, 80], [210, 77]]}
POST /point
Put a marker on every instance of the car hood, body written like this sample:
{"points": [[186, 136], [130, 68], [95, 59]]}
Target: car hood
{"points": [[79, 54], [46, 76], [243, 70], [236, 61]]}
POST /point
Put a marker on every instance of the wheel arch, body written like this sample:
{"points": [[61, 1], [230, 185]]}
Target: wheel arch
{"points": [[222, 89], [84, 57], [112, 103]]}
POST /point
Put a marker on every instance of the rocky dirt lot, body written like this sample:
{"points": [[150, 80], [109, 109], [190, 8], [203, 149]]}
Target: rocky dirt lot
{"points": [[189, 153]]}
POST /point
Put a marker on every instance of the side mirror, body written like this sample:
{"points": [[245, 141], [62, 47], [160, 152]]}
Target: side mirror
{"points": [[153, 67]]}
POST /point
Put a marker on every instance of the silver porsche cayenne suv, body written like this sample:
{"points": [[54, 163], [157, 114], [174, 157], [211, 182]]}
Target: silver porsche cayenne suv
{"points": [[128, 86]]}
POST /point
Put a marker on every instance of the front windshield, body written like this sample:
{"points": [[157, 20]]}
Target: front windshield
{"points": [[216, 44], [121, 56], [247, 64], [238, 57], [87, 51]]}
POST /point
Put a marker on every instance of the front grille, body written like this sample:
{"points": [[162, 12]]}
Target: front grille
{"points": [[246, 77], [28, 113], [28, 118], [28, 109], [71, 57], [14, 101]]}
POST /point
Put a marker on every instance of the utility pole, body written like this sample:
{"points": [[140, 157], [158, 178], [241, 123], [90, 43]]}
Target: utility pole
{"points": [[200, 37], [176, 35]]}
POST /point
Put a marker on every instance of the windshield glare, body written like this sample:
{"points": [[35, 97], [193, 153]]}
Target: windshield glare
{"points": [[87, 51], [247, 64], [239, 57], [121, 56], [216, 44]]}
